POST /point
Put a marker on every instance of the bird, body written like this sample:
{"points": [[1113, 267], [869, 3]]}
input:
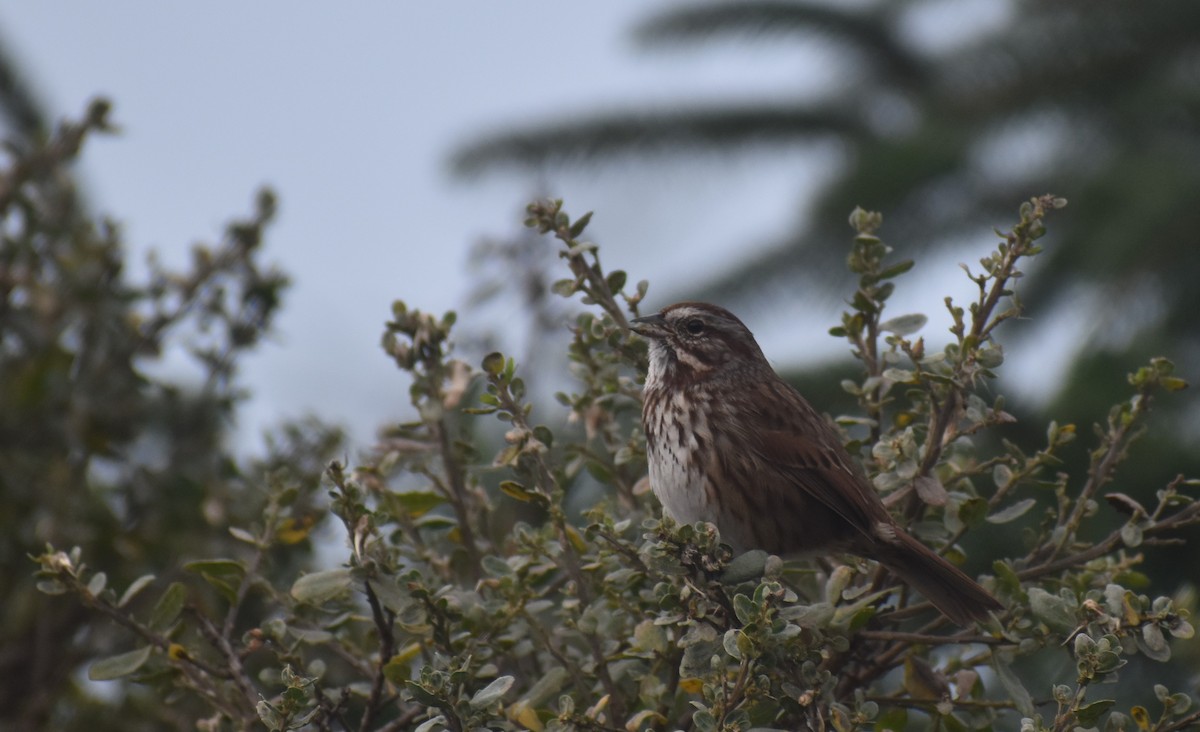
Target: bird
{"points": [[730, 443]]}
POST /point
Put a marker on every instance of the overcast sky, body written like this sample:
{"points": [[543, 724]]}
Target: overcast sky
{"points": [[350, 111]]}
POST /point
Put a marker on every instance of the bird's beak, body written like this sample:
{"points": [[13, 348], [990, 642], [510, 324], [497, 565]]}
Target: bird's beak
{"points": [[649, 326]]}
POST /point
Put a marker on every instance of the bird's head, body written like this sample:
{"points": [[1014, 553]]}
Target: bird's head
{"points": [[695, 340]]}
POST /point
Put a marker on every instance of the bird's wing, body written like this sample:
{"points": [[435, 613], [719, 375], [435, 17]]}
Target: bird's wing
{"points": [[825, 474]]}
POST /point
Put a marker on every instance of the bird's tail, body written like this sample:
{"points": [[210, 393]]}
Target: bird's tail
{"points": [[950, 590]]}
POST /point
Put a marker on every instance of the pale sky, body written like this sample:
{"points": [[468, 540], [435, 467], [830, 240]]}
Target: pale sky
{"points": [[350, 111]]}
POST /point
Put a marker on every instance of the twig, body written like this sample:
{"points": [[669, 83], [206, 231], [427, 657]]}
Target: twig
{"points": [[65, 145], [1180, 724], [1184, 517], [933, 640], [387, 645], [404, 720], [1100, 471], [458, 495], [236, 670], [926, 703]]}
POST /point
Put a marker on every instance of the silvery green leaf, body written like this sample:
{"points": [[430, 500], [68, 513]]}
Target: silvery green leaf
{"points": [[745, 567], [903, 325], [431, 724], [137, 586], [1132, 535], [730, 641], [492, 692], [114, 667], [816, 615], [317, 587], [1153, 644], [1013, 512], [1013, 686], [97, 583], [1052, 610]]}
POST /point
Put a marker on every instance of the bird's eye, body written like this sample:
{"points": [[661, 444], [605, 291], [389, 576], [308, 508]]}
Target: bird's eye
{"points": [[695, 326]]}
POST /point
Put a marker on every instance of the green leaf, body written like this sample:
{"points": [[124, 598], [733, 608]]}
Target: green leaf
{"points": [[114, 667], [438, 722], [417, 503], [744, 608], [492, 692], [546, 686], [903, 325], [1006, 576], [1013, 686], [892, 719], [972, 511], [389, 594], [515, 490], [565, 287], [434, 521], [495, 566], [704, 721], [134, 588], [1131, 535], [896, 269], [243, 535], [900, 376], [223, 574], [649, 637], [1088, 714], [731, 643], [310, 636], [493, 363], [1013, 512], [579, 225], [808, 616], [97, 583], [745, 567], [168, 607], [317, 587], [1173, 383], [544, 435], [1052, 610], [51, 587], [269, 715]]}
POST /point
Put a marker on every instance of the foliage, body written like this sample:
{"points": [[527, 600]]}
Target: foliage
{"points": [[473, 595], [104, 447]]}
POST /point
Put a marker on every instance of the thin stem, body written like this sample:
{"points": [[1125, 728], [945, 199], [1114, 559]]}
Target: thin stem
{"points": [[1100, 471], [236, 670], [458, 495], [930, 639], [900, 701], [387, 644], [1186, 516]]}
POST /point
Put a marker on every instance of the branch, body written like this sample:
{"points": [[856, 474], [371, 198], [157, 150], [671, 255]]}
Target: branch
{"points": [[64, 146], [387, 645], [236, 670], [1186, 516], [458, 495]]}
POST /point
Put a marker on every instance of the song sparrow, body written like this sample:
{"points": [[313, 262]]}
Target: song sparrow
{"points": [[731, 443]]}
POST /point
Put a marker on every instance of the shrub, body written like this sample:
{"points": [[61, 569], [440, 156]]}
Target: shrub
{"points": [[531, 584]]}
